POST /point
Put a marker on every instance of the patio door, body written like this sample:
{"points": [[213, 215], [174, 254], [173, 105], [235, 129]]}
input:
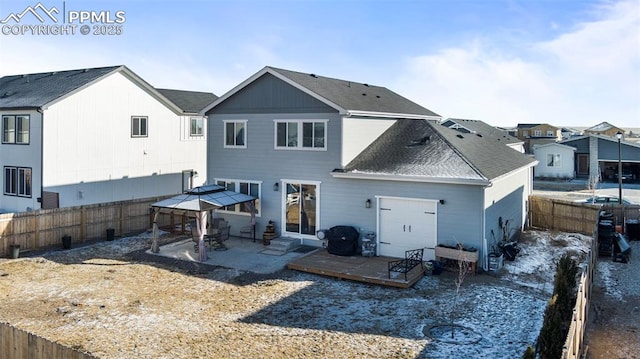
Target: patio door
{"points": [[300, 208]]}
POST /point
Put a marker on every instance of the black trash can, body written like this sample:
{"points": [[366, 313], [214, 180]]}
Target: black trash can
{"points": [[111, 234], [633, 229], [66, 242]]}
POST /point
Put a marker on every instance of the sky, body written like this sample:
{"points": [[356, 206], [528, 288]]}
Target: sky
{"points": [[564, 62]]}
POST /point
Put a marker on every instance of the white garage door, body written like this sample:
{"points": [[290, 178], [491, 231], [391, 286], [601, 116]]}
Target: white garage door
{"points": [[405, 224]]}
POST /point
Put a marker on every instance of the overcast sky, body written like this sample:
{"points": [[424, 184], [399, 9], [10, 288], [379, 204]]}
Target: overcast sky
{"points": [[564, 62]]}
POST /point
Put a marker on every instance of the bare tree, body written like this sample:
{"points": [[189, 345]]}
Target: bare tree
{"points": [[463, 270]]}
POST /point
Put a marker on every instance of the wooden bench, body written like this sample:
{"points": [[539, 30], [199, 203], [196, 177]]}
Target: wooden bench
{"points": [[456, 255], [412, 259]]}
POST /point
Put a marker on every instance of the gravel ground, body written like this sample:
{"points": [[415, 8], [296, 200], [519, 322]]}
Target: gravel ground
{"points": [[114, 301]]}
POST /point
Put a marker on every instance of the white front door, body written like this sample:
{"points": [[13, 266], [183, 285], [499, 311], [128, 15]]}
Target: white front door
{"points": [[405, 224]]}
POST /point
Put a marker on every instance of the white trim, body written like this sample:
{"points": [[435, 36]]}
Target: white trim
{"points": [[238, 181], [283, 210], [224, 134], [389, 177], [300, 147]]}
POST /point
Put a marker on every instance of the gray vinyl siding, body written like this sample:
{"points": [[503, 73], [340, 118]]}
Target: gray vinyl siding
{"points": [[269, 94], [581, 145], [608, 150]]}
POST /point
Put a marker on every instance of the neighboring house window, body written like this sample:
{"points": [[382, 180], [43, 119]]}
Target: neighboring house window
{"points": [[15, 129], [525, 133], [139, 126], [197, 126], [17, 181], [550, 134], [251, 188], [537, 133], [553, 160], [235, 134], [301, 134]]}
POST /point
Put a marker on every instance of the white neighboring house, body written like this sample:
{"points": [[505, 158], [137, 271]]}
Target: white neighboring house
{"points": [[554, 160], [97, 135]]}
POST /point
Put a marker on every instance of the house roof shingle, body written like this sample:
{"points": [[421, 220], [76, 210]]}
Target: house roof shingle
{"points": [[482, 128], [354, 96], [443, 154], [37, 90], [189, 101]]}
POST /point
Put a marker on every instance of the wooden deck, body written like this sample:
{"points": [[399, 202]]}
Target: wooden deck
{"points": [[362, 269]]}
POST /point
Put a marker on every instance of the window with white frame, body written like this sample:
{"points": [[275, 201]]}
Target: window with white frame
{"points": [[197, 127], [537, 133], [550, 133], [301, 134], [252, 188], [235, 134], [553, 160], [139, 126], [15, 129], [17, 181]]}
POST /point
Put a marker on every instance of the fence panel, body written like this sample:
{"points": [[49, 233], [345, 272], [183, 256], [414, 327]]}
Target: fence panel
{"points": [[19, 344]]}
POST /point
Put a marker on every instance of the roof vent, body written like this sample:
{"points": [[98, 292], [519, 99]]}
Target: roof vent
{"points": [[420, 141], [5, 95], [479, 135], [364, 94], [377, 96], [459, 136], [85, 70], [313, 75], [366, 85]]}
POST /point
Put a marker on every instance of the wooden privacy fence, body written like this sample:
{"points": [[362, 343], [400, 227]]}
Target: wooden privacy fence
{"points": [[18, 344], [574, 344], [561, 215], [45, 228]]}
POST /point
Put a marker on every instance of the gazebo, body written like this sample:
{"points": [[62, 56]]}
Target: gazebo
{"points": [[200, 200]]}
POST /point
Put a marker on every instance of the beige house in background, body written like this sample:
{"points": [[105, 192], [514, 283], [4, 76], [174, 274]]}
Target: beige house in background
{"points": [[605, 129], [537, 134]]}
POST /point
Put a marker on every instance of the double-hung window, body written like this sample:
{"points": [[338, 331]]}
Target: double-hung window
{"points": [[550, 133], [197, 127], [15, 129], [251, 188], [537, 133], [235, 134], [17, 181], [139, 126], [553, 160], [301, 134]]}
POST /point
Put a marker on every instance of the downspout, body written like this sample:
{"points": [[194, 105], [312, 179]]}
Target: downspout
{"points": [[41, 111], [485, 253]]}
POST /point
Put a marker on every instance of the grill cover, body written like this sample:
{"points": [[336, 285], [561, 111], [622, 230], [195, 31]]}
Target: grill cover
{"points": [[342, 240]]}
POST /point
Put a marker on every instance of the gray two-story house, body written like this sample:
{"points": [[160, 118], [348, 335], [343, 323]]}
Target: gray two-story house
{"points": [[320, 152]]}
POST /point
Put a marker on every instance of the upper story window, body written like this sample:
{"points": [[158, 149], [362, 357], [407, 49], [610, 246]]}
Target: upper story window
{"points": [[550, 133], [15, 129], [17, 181], [525, 133], [301, 134], [139, 126], [235, 134], [197, 127], [537, 133], [252, 188], [553, 160]]}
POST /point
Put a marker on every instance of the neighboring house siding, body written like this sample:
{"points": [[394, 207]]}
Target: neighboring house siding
{"points": [[90, 155], [564, 168], [23, 156], [269, 94]]}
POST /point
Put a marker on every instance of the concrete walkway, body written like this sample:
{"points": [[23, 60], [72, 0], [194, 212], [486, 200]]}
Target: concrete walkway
{"points": [[242, 254]]}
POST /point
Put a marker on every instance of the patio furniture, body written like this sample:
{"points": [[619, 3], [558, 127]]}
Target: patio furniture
{"points": [[218, 236], [412, 259]]}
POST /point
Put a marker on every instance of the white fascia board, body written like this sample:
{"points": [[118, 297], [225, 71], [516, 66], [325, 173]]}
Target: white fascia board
{"points": [[353, 113], [388, 177], [532, 164]]}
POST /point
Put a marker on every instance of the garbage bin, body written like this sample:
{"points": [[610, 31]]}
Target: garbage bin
{"points": [[111, 234], [633, 229]]}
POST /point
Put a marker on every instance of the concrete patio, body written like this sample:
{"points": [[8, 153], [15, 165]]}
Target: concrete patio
{"points": [[242, 254]]}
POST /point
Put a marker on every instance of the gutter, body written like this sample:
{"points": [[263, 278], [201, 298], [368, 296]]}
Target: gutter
{"points": [[352, 113], [420, 179]]}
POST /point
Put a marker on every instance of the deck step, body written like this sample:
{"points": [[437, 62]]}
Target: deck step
{"points": [[283, 245]]}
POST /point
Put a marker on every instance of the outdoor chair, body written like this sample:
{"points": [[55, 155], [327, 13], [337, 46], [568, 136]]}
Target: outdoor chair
{"points": [[219, 236], [412, 259]]}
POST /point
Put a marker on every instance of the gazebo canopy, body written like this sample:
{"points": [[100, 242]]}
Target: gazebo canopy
{"points": [[203, 198]]}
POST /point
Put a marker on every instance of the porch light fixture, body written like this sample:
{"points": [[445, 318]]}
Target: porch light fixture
{"points": [[276, 186], [367, 203], [442, 201], [619, 137]]}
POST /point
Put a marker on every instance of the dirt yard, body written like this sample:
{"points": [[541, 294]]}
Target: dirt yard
{"points": [[114, 301]]}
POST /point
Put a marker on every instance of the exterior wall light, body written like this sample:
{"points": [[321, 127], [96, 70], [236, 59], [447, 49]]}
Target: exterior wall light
{"points": [[367, 203], [276, 186]]}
